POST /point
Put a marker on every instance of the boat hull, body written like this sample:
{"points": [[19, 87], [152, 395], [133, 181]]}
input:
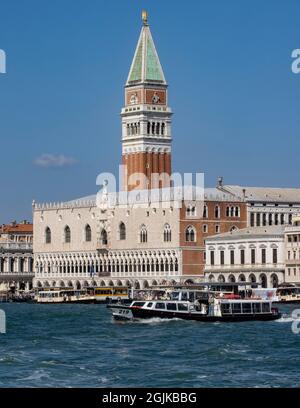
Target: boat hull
{"points": [[129, 313]]}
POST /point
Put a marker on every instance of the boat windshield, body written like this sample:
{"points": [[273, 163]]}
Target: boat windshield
{"points": [[245, 307], [175, 296], [288, 291], [160, 305], [138, 304]]}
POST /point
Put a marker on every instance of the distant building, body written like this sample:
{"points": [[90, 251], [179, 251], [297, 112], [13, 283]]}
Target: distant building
{"points": [[16, 256], [78, 244], [267, 206], [292, 255], [254, 254]]}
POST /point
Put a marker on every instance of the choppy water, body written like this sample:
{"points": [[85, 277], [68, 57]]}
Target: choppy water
{"points": [[81, 346]]}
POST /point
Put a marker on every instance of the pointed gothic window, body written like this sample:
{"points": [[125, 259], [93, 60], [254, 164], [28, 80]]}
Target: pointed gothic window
{"points": [[67, 234], [48, 235], [88, 233], [103, 237], [190, 234], [167, 233], [143, 234], [122, 231]]}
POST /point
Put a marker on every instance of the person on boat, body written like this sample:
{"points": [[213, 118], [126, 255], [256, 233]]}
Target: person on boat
{"points": [[197, 305]]}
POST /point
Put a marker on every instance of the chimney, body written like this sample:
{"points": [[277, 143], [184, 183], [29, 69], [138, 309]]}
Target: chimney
{"points": [[220, 182]]}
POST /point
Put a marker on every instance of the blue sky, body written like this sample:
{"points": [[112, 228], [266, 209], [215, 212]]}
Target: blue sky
{"points": [[228, 65]]}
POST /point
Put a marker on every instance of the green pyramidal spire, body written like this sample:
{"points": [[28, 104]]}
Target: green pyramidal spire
{"points": [[145, 66]]}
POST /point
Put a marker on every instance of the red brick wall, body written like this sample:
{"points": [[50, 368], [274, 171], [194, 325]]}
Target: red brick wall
{"points": [[146, 95], [146, 163], [193, 252]]}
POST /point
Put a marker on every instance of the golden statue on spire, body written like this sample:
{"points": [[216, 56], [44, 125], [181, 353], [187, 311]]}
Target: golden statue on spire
{"points": [[145, 17]]}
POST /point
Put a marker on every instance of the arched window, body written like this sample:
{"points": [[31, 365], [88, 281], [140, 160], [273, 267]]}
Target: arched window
{"points": [[143, 234], [162, 129], [274, 280], [1, 264], [88, 233], [190, 234], [264, 219], [122, 231], [217, 211], [191, 211], [48, 235], [67, 234], [158, 128], [103, 237], [167, 233], [263, 280], [270, 219], [153, 128], [205, 211], [148, 128]]}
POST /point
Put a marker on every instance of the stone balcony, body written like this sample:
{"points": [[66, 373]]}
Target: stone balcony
{"points": [[245, 267], [15, 247], [295, 229]]}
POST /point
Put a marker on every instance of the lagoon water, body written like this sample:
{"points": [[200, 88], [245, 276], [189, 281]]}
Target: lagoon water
{"points": [[81, 346]]}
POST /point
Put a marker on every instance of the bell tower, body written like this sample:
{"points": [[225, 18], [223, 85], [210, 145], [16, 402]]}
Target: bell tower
{"points": [[146, 119]]}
